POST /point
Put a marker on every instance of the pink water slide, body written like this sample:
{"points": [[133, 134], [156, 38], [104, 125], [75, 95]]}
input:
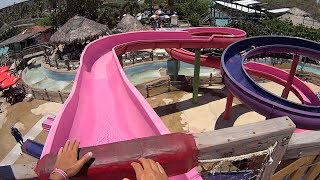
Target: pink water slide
{"points": [[104, 107]]}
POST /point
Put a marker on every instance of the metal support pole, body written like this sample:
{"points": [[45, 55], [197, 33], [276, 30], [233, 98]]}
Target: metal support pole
{"points": [[176, 70], [196, 76], [288, 85], [227, 110]]}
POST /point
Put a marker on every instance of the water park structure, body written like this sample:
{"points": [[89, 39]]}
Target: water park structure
{"points": [[93, 112]]}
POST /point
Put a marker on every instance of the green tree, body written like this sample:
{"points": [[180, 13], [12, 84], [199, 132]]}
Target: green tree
{"points": [[47, 21], [193, 10], [109, 14], [276, 27], [131, 7], [86, 8]]}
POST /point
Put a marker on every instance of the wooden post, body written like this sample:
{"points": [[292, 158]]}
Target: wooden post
{"points": [[151, 55], [67, 63], [60, 96], [45, 90], [196, 76], [176, 67], [147, 91], [24, 89], [34, 94], [277, 154], [57, 65]]}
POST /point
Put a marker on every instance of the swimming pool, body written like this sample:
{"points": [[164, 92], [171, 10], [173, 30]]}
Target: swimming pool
{"points": [[39, 77], [147, 72], [42, 78]]}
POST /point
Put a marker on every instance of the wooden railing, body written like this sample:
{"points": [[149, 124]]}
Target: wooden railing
{"points": [[236, 141]]}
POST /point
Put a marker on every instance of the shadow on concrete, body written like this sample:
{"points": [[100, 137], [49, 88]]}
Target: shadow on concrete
{"points": [[217, 94], [236, 112]]}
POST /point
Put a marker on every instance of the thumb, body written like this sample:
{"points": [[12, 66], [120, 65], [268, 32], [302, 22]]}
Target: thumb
{"points": [[125, 179], [83, 160]]}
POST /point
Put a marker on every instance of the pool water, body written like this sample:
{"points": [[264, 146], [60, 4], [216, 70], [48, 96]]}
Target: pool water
{"points": [[4, 51], [147, 72], [145, 76], [42, 78], [221, 18]]}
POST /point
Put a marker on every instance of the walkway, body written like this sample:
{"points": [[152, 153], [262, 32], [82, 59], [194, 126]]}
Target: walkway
{"points": [[14, 154]]}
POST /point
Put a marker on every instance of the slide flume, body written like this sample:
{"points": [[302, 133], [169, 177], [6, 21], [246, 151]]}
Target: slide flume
{"points": [[103, 106], [242, 86]]}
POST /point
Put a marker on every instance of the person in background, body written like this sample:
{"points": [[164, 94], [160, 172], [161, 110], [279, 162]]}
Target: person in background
{"points": [[17, 135], [67, 165]]}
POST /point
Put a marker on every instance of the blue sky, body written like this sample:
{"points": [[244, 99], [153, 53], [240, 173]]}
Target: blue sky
{"points": [[5, 3]]}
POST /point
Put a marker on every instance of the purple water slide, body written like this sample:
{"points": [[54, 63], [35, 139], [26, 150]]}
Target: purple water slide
{"points": [[241, 85]]}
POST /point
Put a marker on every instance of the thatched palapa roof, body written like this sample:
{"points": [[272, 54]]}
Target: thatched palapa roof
{"points": [[79, 29], [129, 23]]}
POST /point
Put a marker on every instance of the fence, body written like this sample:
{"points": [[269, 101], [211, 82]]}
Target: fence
{"points": [[141, 56], [163, 85], [43, 94], [272, 139], [63, 64]]}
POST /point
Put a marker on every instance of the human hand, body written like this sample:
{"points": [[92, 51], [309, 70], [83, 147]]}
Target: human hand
{"points": [[150, 170], [67, 160]]}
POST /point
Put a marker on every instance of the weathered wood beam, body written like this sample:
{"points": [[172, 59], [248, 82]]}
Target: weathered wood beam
{"points": [[303, 144], [244, 139]]}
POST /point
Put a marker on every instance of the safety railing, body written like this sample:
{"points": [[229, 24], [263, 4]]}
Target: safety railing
{"points": [[260, 150]]}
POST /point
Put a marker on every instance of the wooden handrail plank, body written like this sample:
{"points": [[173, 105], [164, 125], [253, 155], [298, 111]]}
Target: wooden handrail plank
{"points": [[303, 144], [244, 139]]}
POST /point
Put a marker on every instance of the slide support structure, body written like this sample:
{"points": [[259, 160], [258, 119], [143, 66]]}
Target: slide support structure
{"points": [[196, 76], [227, 110], [288, 86], [176, 70]]}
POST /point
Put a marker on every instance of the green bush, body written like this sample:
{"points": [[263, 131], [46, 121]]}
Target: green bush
{"points": [[194, 19], [46, 21], [276, 27]]}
